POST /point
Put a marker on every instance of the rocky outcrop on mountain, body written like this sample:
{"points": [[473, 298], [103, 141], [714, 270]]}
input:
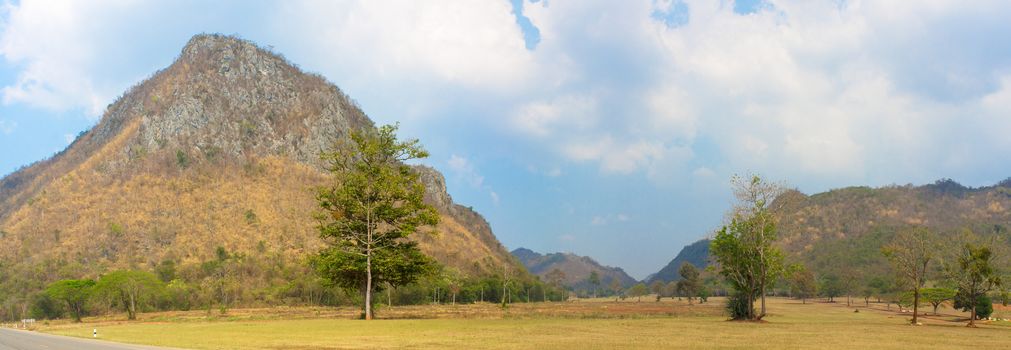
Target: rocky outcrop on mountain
{"points": [[220, 149]]}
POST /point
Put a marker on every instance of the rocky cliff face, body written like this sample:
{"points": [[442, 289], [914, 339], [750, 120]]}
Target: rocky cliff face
{"points": [[219, 149], [231, 98]]}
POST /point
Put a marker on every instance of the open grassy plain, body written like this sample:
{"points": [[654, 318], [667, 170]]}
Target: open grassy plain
{"points": [[595, 324]]}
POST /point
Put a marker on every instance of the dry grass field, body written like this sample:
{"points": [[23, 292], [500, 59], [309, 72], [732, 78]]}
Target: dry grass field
{"points": [[596, 324]]}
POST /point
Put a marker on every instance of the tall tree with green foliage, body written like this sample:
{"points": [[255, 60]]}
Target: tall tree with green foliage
{"points": [[975, 275], [555, 278], [373, 204], [831, 286], [74, 293], [743, 250], [638, 291], [657, 288], [911, 252], [130, 289], [616, 288], [594, 280], [803, 284], [689, 285]]}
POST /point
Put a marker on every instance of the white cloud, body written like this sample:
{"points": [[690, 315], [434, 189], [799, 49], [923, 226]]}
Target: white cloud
{"points": [[7, 127], [604, 220], [472, 43], [462, 167], [826, 90], [69, 138], [703, 172], [57, 45], [542, 119]]}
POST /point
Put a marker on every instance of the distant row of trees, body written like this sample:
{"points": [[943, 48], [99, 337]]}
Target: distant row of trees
{"points": [[137, 291], [691, 286]]}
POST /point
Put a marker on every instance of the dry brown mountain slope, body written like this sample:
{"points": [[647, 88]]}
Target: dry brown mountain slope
{"points": [[854, 212], [842, 231], [219, 149]]}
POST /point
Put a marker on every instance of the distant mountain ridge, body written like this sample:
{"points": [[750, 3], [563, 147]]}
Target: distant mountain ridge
{"points": [[576, 268], [696, 254]]}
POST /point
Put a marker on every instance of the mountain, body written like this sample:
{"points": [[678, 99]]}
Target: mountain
{"points": [[220, 149], [576, 268], [843, 230], [696, 253]]}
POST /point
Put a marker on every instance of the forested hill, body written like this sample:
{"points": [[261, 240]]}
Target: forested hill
{"points": [[842, 231], [576, 269], [696, 254], [855, 212], [213, 158]]}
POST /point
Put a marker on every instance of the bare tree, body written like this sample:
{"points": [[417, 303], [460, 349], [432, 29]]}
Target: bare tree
{"points": [[911, 252]]}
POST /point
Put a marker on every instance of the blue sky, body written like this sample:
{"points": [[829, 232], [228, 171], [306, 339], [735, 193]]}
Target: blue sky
{"points": [[603, 128]]}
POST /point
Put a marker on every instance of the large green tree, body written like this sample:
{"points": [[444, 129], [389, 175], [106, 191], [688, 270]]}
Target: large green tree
{"points": [[690, 284], [638, 291], [594, 281], [975, 275], [911, 252], [743, 250], [130, 289], [657, 288], [803, 285], [74, 293], [373, 204]]}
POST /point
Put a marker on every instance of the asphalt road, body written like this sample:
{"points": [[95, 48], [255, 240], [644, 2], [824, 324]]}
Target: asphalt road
{"points": [[11, 339]]}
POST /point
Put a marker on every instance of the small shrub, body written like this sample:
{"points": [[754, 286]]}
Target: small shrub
{"points": [[115, 229], [182, 160], [250, 217], [984, 307], [738, 306]]}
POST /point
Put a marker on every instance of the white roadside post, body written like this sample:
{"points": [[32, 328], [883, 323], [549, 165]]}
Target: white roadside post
{"points": [[94, 333]]}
